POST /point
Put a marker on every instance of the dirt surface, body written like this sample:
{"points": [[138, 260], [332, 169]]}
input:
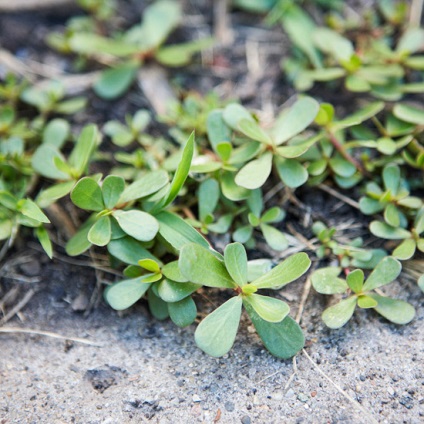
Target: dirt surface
{"points": [[149, 371]]}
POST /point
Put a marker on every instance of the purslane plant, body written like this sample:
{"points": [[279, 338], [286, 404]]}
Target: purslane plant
{"points": [[216, 333], [126, 52], [326, 281]]}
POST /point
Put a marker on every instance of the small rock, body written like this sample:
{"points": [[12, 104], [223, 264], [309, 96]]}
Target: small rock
{"points": [[196, 398], [390, 391], [278, 395], [246, 420], [229, 406], [290, 393], [80, 303], [302, 397]]}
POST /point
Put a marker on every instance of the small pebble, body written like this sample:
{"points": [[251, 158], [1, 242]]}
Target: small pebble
{"points": [[246, 420], [196, 398], [290, 393], [229, 406], [278, 395], [302, 397]]}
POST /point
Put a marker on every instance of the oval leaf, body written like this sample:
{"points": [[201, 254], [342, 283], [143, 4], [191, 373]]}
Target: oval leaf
{"points": [[287, 271], [268, 308], [201, 266], [215, 335], [140, 225], [338, 315]]}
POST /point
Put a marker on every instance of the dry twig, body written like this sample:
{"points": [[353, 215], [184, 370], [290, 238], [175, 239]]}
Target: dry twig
{"points": [[48, 334]]}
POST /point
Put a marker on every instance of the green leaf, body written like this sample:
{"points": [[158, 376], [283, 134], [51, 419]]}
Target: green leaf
{"points": [[326, 281], [128, 250], [338, 315], [56, 132], [170, 291], [360, 116], [355, 280], [297, 149], [140, 225], [274, 238], [300, 27], [273, 215], [149, 265], [48, 196], [366, 302], [181, 54], [145, 186], [234, 113], [79, 242], [252, 130], [157, 306], [268, 308], [92, 44], [411, 41], [410, 114], [31, 210], [283, 339], [44, 239], [392, 215], [405, 250], [384, 273], [396, 311], [178, 232], [81, 153], [230, 189], [6, 227], [172, 271], [183, 313], [71, 106], [235, 259], [201, 266], [287, 271], [421, 282], [159, 20], [215, 335], [370, 206], [385, 231], [342, 167], [112, 189], [391, 178], [217, 130], [255, 173], [125, 293], [87, 195], [291, 172], [100, 233], [333, 43], [114, 82], [43, 162], [182, 170], [294, 120], [208, 196]]}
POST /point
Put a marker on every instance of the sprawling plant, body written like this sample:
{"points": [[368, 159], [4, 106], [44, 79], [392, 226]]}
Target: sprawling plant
{"points": [[326, 281], [126, 51]]}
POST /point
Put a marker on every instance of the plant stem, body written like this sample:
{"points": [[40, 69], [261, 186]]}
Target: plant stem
{"points": [[340, 148]]}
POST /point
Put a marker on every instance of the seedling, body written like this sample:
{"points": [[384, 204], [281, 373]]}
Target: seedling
{"points": [[49, 162], [412, 239], [130, 49], [215, 335], [262, 220], [326, 281], [393, 198], [350, 254]]}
